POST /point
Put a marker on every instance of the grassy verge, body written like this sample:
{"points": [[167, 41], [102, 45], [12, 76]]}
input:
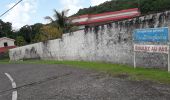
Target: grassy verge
{"points": [[154, 75], [4, 61]]}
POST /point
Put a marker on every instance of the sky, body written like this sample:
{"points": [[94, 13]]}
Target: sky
{"points": [[29, 12]]}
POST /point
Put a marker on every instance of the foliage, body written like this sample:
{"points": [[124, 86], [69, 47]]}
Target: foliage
{"points": [[29, 32], [60, 21], [26, 32], [6, 29], [49, 32], [37, 38], [145, 6], [20, 41]]}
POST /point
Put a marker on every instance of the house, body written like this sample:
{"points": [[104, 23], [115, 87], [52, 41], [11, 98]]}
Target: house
{"points": [[103, 18], [6, 44]]}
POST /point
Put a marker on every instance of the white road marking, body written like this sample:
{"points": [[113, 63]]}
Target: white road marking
{"points": [[14, 93]]}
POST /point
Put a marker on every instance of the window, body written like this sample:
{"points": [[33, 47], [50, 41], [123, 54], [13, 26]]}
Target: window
{"points": [[5, 44]]}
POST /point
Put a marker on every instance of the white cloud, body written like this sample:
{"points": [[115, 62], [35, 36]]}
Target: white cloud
{"points": [[97, 2], [21, 14], [73, 5]]}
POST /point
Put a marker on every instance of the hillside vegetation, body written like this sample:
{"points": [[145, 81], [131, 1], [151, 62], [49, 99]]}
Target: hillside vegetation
{"points": [[145, 6]]}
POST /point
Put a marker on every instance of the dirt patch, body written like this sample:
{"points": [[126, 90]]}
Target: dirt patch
{"points": [[122, 76]]}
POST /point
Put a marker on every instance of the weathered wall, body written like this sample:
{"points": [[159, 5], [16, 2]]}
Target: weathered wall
{"points": [[109, 43]]}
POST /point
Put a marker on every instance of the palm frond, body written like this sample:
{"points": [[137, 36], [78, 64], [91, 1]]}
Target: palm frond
{"points": [[60, 20], [66, 12], [57, 15], [49, 18]]}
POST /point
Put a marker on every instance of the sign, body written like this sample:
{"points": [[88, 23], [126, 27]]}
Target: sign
{"points": [[151, 35], [152, 48]]}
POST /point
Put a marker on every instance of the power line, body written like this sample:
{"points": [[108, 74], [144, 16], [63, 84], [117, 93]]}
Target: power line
{"points": [[10, 8]]}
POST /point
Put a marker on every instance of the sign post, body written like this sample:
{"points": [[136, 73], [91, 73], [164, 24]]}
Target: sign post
{"points": [[168, 63], [152, 35], [134, 60], [169, 59]]}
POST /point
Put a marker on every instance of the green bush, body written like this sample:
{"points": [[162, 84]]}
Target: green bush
{"points": [[4, 55]]}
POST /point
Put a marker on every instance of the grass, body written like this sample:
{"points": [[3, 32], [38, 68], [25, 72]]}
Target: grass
{"points": [[4, 61], [154, 75]]}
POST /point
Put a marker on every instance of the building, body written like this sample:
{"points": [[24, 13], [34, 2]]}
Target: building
{"points": [[6, 44], [103, 18]]}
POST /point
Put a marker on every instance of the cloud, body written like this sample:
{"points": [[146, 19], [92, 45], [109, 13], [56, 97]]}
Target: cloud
{"points": [[73, 5], [97, 2], [21, 14]]}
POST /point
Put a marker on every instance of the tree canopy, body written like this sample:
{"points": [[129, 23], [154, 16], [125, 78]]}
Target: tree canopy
{"points": [[6, 29], [60, 20]]}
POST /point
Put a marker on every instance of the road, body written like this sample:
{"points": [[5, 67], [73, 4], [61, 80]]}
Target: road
{"points": [[61, 82]]}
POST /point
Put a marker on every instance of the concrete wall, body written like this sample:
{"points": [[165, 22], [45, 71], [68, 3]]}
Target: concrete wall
{"points": [[109, 43]]}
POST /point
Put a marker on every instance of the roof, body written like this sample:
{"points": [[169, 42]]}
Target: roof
{"points": [[105, 13], [5, 38], [106, 17], [5, 49]]}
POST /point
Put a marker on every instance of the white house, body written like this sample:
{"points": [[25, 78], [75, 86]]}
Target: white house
{"points": [[6, 42]]}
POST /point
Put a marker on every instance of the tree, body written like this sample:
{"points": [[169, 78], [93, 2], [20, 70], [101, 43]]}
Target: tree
{"points": [[20, 41], [6, 29], [37, 38], [26, 33], [60, 21], [36, 31], [49, 32]]}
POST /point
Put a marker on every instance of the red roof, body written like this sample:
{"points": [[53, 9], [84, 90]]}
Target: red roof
{"points": [[107, 17], [5, 49]]}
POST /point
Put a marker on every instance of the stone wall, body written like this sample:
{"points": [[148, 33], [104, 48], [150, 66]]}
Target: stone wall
{"points": [[111, 42]]}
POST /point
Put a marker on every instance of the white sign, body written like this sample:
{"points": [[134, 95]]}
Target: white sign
{"points": [[152, 48]]}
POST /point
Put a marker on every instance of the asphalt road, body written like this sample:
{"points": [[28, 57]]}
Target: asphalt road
{"points": [[60, 82]]}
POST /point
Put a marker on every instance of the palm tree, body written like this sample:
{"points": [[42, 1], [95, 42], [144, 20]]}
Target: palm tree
{"points": [[60, 20]]}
